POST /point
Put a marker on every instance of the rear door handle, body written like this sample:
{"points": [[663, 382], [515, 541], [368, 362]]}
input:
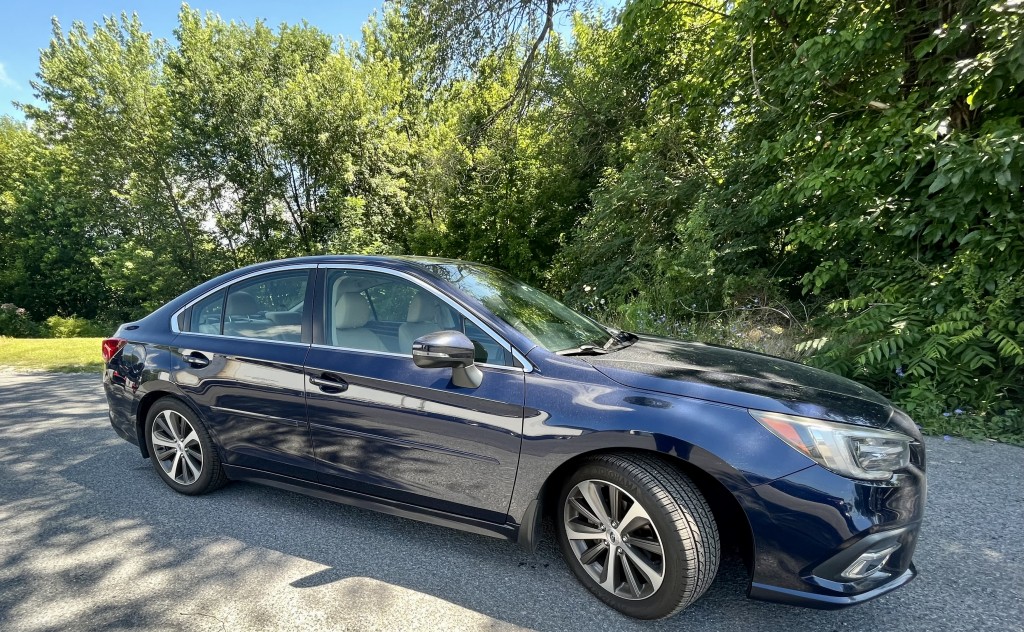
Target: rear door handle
{"points": [[194, 358], [329, 383]]}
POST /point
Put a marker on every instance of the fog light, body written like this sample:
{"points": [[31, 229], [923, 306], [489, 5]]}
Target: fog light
{"points": [[869, 562]]}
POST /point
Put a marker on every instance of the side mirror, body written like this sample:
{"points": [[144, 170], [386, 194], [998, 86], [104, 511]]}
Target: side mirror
{"points": [[449, 349]]}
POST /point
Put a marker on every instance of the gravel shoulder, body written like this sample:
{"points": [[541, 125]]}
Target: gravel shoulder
{"points": [[91, 539]]}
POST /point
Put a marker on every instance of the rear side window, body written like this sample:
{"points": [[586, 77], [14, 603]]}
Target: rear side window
{"points": [[269, 307], [207, 314]]}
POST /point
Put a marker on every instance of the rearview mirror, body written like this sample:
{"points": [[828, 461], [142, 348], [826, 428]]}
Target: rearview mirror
{"points": [[449, 349]]}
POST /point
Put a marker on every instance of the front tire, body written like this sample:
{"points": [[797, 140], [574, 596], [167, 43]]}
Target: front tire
{"points": [[638, 534], [181, 449]]}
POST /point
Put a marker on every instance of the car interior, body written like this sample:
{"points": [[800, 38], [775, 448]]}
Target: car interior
{"points": [[369, 311], [379, 313], [245, 317]]}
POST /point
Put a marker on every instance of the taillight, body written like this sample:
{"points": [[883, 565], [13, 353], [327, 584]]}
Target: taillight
{"points": [[111, 346]]}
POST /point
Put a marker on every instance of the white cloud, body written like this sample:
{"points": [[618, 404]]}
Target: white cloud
{"points": [[5, 79]]}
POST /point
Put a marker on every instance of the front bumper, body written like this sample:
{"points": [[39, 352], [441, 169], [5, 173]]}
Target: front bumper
{"points": [[825, 541], [808, 599]]}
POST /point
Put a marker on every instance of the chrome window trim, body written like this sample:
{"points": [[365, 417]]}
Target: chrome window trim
{"points": [[227, 337], [485, 365], [224, 286], [500, 340]]}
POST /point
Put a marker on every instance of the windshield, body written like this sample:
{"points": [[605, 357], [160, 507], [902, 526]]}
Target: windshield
{"points": [[538, 316]]}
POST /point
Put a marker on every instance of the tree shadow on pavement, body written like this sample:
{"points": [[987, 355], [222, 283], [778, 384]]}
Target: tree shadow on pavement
{"points": [[93, 539]]}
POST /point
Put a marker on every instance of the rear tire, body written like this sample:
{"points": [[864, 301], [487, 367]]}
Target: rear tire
{"points": [[645, 521], [181, 450]]}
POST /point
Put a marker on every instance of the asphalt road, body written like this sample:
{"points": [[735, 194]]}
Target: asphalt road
{"points": [[90, 539]]}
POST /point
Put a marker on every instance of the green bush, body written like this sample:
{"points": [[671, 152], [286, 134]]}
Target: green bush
{"points": [[14, 322], [987, 408], [943, 412], [75, 327]]}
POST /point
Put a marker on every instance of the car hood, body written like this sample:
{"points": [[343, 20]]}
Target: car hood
{"points": [[742, 378]]}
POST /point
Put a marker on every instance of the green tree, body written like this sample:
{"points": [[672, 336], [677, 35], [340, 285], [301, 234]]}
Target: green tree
{"points": [[283, 133], [894, 136], [668, 163], [45, 253], [104, 107]]}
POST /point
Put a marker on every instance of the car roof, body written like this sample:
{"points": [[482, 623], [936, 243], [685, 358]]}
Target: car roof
{"points": [[415, 263], [421, 262]]}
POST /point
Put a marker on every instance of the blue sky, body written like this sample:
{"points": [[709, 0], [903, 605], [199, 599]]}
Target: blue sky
{"points": [[25, 26]]}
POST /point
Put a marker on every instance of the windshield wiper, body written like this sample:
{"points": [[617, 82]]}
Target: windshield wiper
{"points": [[620, 340], [583, 350]]}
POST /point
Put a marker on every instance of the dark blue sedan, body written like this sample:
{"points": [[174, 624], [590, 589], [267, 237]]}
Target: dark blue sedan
{"points": [[452, 393]]}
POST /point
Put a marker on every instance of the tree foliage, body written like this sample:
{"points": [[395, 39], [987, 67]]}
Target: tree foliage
{"points": [[849, 173]]}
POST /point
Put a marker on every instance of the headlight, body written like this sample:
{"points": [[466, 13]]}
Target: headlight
{"points": [[853, 451]]}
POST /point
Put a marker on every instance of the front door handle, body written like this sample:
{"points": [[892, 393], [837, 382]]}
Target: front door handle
{"points": [[195, 358], [329, 383]]}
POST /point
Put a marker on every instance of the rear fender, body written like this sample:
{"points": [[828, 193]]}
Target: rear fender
{"points": [[147, 395]]}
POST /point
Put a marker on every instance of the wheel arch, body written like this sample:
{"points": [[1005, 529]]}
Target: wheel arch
{"points": [[146, 404], [730, 518]]}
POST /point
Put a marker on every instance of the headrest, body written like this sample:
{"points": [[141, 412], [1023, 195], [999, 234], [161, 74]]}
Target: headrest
{"points": [[355, 282], [423, 308], [285, 318], [351, 311], [242, 304]]}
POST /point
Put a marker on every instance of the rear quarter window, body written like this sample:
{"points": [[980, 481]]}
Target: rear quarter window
{"points": [[208, 314]]}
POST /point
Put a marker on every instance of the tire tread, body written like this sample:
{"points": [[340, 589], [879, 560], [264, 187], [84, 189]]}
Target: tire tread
{"points": [[688, 512], [219, 477]]}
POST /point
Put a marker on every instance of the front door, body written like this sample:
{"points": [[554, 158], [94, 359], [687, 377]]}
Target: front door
{"points": [[385, 427], [241, 363]]}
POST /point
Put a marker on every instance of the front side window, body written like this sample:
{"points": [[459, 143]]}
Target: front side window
{"points": [[268, 307], [372, 311]]}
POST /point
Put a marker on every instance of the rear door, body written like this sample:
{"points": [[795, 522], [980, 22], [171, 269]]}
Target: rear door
{"points": [[385, 427], [240, 361]]}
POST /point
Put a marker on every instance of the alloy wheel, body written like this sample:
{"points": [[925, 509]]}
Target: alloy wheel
{"points": [[177, 448], [614, 539]]}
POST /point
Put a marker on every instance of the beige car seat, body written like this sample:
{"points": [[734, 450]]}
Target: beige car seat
{"points": [[351, 313], [424, 317]]}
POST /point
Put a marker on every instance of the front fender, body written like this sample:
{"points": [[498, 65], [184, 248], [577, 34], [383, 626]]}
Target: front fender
{"points": [[573, 410]]}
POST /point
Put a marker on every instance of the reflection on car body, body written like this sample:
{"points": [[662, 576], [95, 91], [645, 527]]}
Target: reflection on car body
{"points": [[449, 392]]}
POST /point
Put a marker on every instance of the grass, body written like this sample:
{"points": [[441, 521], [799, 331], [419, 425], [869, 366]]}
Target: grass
{"points": [[60, 355]]}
